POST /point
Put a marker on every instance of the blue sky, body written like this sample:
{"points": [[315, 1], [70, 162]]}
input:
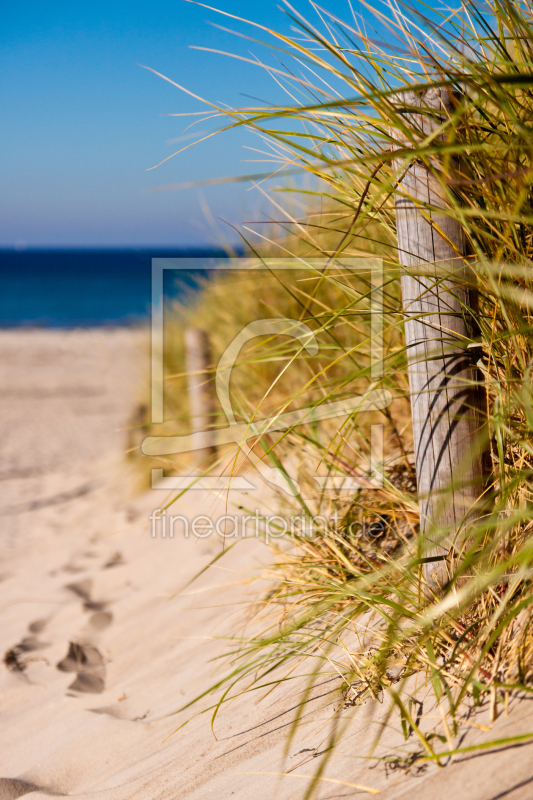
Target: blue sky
{"points": [[81, 123]]}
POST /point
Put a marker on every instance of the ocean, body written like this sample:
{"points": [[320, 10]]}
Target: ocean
{"points": [[87, 288]]}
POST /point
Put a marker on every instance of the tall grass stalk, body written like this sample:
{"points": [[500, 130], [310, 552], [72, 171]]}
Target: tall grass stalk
{"points": [[341, 124]]}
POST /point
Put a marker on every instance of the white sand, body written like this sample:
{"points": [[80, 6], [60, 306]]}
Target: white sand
{"points": [[67, 509]]}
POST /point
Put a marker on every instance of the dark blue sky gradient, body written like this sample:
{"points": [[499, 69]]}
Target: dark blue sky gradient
{"points": [[80, 122]]}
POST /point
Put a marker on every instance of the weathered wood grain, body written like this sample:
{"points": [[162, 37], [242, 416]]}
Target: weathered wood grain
{"points": [[436, 296]]}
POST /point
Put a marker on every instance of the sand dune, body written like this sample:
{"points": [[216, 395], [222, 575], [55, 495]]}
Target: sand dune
{"points": [[101, 650]]}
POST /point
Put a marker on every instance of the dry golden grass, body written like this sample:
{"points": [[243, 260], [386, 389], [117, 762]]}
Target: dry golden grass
{"points": [[475, 641]]}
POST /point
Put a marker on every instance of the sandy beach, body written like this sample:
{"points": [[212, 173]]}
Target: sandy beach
{"points": [[103, 646]]}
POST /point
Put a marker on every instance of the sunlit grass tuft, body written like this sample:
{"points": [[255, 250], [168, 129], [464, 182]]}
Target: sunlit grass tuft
{"points": [[341, 125]]}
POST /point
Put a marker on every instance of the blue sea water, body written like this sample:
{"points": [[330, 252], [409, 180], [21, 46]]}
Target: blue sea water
{"points": [[86, 288]]}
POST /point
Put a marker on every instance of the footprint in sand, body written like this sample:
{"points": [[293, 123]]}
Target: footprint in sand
{"points": [[13, 658], [116, 560], [87, 661], [94, 605], [83, 657], [82, 589], [87, 682], [100, 620], [38, 626], [11, 788]]}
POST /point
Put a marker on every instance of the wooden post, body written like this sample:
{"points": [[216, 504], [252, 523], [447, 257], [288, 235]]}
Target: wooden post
{"points": [[137, 430], [444, 401], [200, 393]]}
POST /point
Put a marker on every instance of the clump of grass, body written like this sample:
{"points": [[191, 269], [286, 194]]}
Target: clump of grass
{"points": [[342, 125], [274, 375]]}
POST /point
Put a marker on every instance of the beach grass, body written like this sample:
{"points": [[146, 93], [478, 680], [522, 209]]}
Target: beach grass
{"points": [[341, 602]]}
